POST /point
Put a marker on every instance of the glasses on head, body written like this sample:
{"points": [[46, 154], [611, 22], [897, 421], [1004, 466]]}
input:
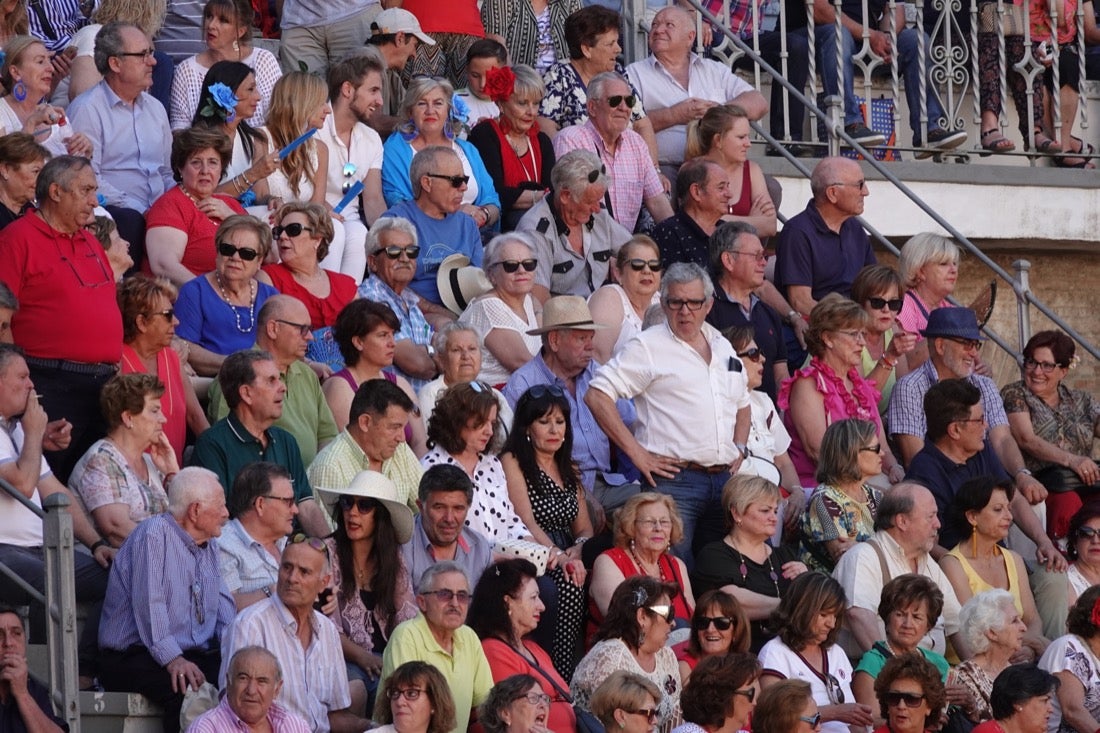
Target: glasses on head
{"points": [[860, 184], [760, 256], [893, 698], [409, 693], [593, 176], [144, 54], [512, 266], [749, 693], [813, 721], [651, 714], [754, 353], [702, 623], [349, 171], [968, 344], [1046, 367], [363, 503], [319, 545], [654, 523], [446, 595], [541, 390], [876, 448], [303, 328], [225, 249], [394, 252], [665, 611], [858, 335], [291, 230], [288, 500], [894, 304], [168, 314], [535, 698], [479, 387], [692, 304], [637, 264], [455, 181], [616, 99], [835, 691]]}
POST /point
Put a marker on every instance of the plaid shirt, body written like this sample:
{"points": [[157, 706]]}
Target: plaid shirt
{"points": [[407, 309]]}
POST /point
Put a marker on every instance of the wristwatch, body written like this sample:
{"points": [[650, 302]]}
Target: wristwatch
{"points": [[791, 315]]}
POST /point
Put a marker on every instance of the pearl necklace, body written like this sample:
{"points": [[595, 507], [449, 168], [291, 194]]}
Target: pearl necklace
{"points": [[237, 313]]}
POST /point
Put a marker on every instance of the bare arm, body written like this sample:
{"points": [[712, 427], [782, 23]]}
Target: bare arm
{"points": [[344, 721], [83, 75], [801, 298], [412, 359], [82, 525], [320, 176], [521, 500], [606, 577], [752, 102], [908, 446], [757, 605], [196, 418], [1034, 637], [607, 310], [1019, 424], [508, 348], [1071, 696], [660, 208], [374, 205], [13, 674], [645, 128], [312, 518], [807, 410], [864, 626], [164, 246], [114, 523], [205, 362], [24, 471], [338, 396]]}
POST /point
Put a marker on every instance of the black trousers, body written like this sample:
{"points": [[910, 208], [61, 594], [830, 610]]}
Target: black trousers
{"points": [[135, 670]]}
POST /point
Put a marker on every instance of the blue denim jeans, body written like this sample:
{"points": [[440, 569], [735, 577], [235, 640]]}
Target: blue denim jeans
{"points": [[698, 498], [909, 65]]}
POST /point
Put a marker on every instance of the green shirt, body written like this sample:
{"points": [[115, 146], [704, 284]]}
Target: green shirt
{"points": [[339, 462], [875, 658]]}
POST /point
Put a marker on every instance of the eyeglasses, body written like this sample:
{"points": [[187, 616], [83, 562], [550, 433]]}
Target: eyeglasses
{"points": [[1046, 367], [760, 256], [225, 249], [637, 265], [651, 714], [855, 184], [147, 53], [876, 448], [348, 171], [313, 542], [363, 503], [76, 273], [288, 500], [446, 595], [594, 175], [971, 419], [479, 387], [535, 698], [455, 181], [665, 611], [834, 690], [653, 523], [512, 266], [409, 693], [394, 252], [857, 335], [541, 390], [894, 304], [893, 698], [702, 623], [968, 344], [616, 99], [814, 720], [303, 328], [1087, 533], [693, 304], [749, 694], [168, 314], [754, 353], [291, 230]]}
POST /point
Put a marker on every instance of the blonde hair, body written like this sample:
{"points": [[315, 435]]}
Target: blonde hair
{"points": [[743, 490], [920, 250], [716, 122], [624, 518], [13, 54], [293, 99], [145, 14], [16, 23]]}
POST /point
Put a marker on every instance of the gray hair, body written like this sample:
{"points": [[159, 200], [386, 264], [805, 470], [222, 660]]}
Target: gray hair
{"points": [[8, 352], [571, 172], [983, 613], [895, 502], [825, 173], [7, 298], [683, 273], [60, 170], [726, 238], [442, 338], [598, 84], [386, 224], [108, 43], [496, 244], [529, 82], [445, 567], [921, 249], [192, 484], [423, 163], [258, 651], [417, 88]]}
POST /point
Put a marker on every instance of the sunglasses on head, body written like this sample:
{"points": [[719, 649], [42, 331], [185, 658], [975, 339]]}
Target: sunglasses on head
{"points": [[313, 542], [616, 99], [637, 264], [754, 353], [894, 304], [593, 176], [541, 390], [363, 503], [225, 249], [512, 266], [893, 698], [394, 252], [455, 181], [291, 230], [702, 623]]}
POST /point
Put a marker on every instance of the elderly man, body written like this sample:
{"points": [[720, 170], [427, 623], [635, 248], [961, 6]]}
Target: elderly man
{"points": [[576, 237], [262, 508], [24, 704], [634, 180], [69, 322], [254, 681], [254, 392], [129, 129], [392, 250], [565, 361], [439, 530], [306, 643], [679, 86], [440, 637], [438, 181], [167, 604], [687, 454], [905, 533], [374, 440], [458, 355], [703, 195], [282, 330]]}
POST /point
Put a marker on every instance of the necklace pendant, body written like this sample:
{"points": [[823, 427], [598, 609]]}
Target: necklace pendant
{"points": [[744, 570]]}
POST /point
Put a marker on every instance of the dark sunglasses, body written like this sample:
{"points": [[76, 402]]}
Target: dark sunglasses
{"points": [[814, 720], [638, 264], [168, 314], [363, 503], [292, 230], [894, 304], [702, 623], [834, 690], [349, 171], [616, 99], [1087, 533], [876, 448], [892, 698], [225, 249], [594, 175], [455, 181], [541, 390], [395, 252], [512, 266], [754, 353], [749, 694], [313, 542], [668, 613], [651, 714]]}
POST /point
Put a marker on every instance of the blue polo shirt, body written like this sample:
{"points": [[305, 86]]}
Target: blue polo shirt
{"points": [[767, 329], [811, 254]]}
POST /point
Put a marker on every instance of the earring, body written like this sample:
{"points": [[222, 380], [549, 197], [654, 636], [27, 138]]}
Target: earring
{"points": [[236, 46], [19, 91]]}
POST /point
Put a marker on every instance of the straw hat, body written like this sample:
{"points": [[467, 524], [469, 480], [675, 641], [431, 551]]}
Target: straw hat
{"points": [[459, 282], [566, 311], [374, 485]]}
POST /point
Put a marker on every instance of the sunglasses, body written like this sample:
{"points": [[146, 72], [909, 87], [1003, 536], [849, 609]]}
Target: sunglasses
{"points": [[814, 720], [362, 503], [834, 690], [455, 181], [446, 595], [292, 230], [894, 304], [749, 694], [702, 623], [651, 714], [225, 249], [876, 448], [168, 314], [541, 390], [394, 252], [665, 611], [593, 176], [616, 99], [349, 171], [1087, 533], [512, 266], [754, 353], [637, 265], [288, 500], [313, 542], [893, 698]]}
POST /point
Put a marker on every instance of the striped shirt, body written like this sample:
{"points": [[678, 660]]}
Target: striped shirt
{"points": [[55, 21], [245, 564], [222, 719]]}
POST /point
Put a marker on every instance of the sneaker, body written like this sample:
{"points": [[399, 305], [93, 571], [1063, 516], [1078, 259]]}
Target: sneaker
{"points": [[864, 136], [938, 139], [794, 148]]}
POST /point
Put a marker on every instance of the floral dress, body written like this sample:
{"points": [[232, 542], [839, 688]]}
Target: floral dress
{"points": [[566, 100], [1071, 653], [833, 515]]}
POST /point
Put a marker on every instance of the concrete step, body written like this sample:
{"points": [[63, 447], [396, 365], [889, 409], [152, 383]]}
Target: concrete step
{"points": [[118, 712]]}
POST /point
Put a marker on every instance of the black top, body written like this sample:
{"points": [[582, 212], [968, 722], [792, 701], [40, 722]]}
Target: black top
{"points": [[484, 137], [767, 328], [10, 719]]}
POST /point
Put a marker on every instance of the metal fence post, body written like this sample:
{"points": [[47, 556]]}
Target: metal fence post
{"points": [[1023, 314], [835, 114], [57, 535]]}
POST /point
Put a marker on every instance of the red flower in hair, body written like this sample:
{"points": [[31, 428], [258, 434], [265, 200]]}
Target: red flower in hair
{"points": [[500, 84]]}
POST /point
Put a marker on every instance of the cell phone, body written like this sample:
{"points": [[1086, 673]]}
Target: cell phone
{"points": [[323, 599]]}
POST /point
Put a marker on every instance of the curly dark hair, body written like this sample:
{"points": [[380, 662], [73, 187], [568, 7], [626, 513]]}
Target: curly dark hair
{"points": [[911, 666], [386, 566], [807, 596], [1085, 514], [621, 621], [708, 696], [727, 606], [357, 319], [530, 409], [1079, 619], [583, 26], [489, 615], [461, 406], [1016, 685], [906, 590]]}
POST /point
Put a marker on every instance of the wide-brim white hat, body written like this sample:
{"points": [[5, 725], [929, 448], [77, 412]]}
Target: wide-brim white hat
{"points": [[374, 485]]}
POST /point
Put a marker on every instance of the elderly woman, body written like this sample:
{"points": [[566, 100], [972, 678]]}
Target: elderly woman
{"points": [[621, 305], [993, 630], [507, 318], [364, 334], [1022, 701], [719, 627], [1073, 660], [458, 355], [227, 31], [627, 702], [831, 387], [910, 695], [505, 610], [302, 236], [979, 562], [517, 155], [786, 707], [807, 623], [885, 352], [842, 508], [118, 482], [148, 326], [392, 248], [633, 638], [743, 564], [1083, 550], [518, 704], [21, 160], [415, 699], [431, 119], [217, 311], [646, 527], [371, 583], [533, 30], [929, 268], [183, 222], [720, 698], [1054, 426], [105, 231]]}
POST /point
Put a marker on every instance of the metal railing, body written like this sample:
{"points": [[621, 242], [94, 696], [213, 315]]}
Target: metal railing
{"points": [[59, 600]]}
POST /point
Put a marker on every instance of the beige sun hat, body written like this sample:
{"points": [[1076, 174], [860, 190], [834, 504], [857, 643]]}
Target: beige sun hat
{"points": [[566, 311], [459, 282], [374, 485]]}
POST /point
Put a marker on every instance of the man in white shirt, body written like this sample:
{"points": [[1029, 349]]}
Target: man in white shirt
{"points": [[692, 398]]}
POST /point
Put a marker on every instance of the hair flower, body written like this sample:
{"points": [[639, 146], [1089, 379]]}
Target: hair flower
{"points": [[460, 111], [500, 84], [221, 102]]}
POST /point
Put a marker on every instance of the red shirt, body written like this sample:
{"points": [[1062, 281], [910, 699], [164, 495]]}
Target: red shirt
{"points": [[322, 311], [458, 16], [174, 210], [66, 291]]}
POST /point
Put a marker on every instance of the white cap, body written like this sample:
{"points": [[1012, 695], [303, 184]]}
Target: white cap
{"points": [[399, 20]]}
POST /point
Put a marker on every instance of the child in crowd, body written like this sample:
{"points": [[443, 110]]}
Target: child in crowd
{"points": [[483, 55]]}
